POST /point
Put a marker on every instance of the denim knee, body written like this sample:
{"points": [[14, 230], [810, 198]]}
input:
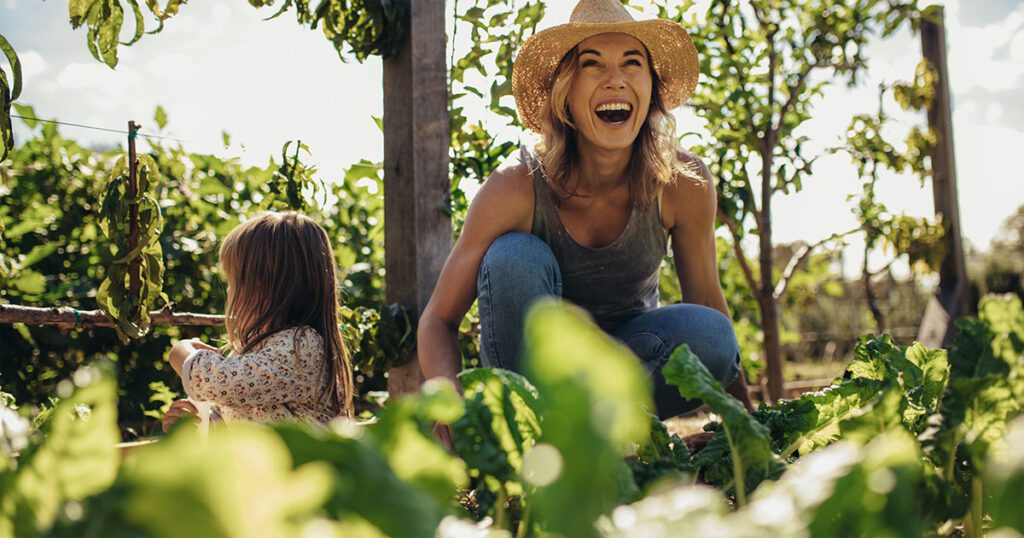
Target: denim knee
{"points": [[718, 348], [710, 336], [517, 255], [517, 269]]}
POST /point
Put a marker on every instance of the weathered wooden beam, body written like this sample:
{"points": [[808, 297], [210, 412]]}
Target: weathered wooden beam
{"points": [[951, 299], [417, 226], [69, 318]]}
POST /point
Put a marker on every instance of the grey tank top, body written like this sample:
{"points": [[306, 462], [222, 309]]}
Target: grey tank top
{"points": [[614, 283]]}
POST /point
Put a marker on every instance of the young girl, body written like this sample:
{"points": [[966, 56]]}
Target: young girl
{"points": [[286, 357]]}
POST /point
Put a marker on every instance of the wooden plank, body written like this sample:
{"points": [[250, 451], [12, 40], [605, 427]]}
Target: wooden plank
{"points": [[951, 299], [417, 227]]}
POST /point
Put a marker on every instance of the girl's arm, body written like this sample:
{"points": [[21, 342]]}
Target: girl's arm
{"points": [[286, 368]]}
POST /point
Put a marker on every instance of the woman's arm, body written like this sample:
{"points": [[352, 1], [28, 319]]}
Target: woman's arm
{"points": [[504, 204], [691, 207]]}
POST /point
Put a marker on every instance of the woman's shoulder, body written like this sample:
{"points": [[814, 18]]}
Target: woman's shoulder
{"points": [[692, 194], [505, 200], [513, 177]]}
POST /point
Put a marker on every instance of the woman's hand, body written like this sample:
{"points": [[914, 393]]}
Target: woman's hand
{"points": [[180, 410]]}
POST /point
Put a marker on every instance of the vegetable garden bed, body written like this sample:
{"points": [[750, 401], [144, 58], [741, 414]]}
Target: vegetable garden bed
{"points": [[910, 442]]}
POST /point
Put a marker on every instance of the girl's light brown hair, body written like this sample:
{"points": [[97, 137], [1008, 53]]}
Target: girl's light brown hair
{"points": [[280, 273], [655, 160]]}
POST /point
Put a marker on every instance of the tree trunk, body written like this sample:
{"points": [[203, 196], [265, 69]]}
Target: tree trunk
{"points": [[766, 295], [869, 294]]}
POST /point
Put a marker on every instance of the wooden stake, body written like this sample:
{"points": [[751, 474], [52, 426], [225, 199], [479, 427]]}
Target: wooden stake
{"points": [[135, 267], [951, 299], [417, 228]]}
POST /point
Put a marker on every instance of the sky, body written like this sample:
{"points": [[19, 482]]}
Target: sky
{"points": [[219, 67]]}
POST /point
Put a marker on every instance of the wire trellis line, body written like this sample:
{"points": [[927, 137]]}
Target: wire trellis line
{"points": [[104, 129]]}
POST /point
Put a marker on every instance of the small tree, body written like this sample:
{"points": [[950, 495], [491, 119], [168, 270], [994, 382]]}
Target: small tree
{"points": [[758, 57], [919, 239]]}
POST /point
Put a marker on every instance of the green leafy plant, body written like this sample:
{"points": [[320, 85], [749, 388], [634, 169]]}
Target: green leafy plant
{"points": [[10, 89]]}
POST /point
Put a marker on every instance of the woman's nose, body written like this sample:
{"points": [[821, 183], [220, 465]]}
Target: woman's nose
{"points": [[614, 80]]}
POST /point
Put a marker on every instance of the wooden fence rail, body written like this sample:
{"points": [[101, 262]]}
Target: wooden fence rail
{"points": [[70, 318]]}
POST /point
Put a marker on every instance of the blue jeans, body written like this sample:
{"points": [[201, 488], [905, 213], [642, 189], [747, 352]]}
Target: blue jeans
{"points": [[520, 268]]}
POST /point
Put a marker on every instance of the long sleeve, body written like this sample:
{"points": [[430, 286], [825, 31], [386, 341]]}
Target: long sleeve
{"points": [[287, 367]]}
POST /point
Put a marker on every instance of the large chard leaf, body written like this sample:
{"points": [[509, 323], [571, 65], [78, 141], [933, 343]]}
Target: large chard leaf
{"points": [[980, 398], [500, 423], [1004, 481], [845, 490], [238, 482], [747, 439], [403, 434], [813, 420], [661, 457], [74, 455], [362, 477], [920, 372], [841, 490], [593, 404]]}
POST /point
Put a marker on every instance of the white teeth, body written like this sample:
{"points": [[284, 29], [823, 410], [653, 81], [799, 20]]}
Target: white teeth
{"points": [[614, 106]]}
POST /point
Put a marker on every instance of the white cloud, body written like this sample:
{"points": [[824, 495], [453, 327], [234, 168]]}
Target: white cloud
{"points": [[972, 53], [169, 66], [32, 65]]}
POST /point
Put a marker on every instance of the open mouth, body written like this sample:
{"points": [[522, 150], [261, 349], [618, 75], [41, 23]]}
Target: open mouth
{"points": [[614, 113]]}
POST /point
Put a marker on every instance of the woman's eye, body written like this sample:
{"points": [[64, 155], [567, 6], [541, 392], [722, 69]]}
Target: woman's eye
{"points": [[588, 63], [633, 62]]}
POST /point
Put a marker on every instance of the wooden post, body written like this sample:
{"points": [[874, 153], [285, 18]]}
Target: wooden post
{"points": [[951, 299], [135, 268], [417, 227]]}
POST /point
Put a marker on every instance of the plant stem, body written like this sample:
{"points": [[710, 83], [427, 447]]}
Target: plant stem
{"points": [[524, 518], [499, 512], [973, 523], [737, 470]]}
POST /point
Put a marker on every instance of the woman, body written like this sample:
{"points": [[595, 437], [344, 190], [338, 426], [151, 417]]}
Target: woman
{"points": [[588, 213]]}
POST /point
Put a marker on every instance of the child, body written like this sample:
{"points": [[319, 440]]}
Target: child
{"points": [[286, 355]]}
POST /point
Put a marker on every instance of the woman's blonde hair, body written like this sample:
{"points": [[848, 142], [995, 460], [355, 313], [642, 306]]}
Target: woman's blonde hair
{"points": [[655, 161], [281, 275]]}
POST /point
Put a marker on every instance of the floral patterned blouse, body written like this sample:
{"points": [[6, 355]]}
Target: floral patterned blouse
{"points": [[283, 377]]}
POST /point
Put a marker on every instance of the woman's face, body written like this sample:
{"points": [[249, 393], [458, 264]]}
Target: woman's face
{"points": [[611, 93]]}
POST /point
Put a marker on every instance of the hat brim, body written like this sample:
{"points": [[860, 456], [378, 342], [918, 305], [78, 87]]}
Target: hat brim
{"points": [[673, 57]]}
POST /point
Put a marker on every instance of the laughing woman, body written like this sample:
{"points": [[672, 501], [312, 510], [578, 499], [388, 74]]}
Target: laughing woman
{"points": [[588, 213]]}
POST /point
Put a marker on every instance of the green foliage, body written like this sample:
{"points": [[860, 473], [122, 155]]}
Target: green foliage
{"points": [[239, 482], [661, 458], [132, 222], [746, 438], [362, 28], [593, 404], [1004, 480], [390, 478], [53, 253], [10, 89], [70, 457]]}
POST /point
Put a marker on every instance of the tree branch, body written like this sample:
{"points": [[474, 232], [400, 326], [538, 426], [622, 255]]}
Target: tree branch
{"points": [[794, 91], [69, 318], [799, 256], [740, 256], [740, 74]]}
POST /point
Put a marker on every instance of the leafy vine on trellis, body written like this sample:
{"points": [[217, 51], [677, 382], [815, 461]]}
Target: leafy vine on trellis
{"points": [[143, 262]]}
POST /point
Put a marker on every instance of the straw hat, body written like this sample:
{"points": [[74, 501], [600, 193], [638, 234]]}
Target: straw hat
{"points": [[672, 54]]}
